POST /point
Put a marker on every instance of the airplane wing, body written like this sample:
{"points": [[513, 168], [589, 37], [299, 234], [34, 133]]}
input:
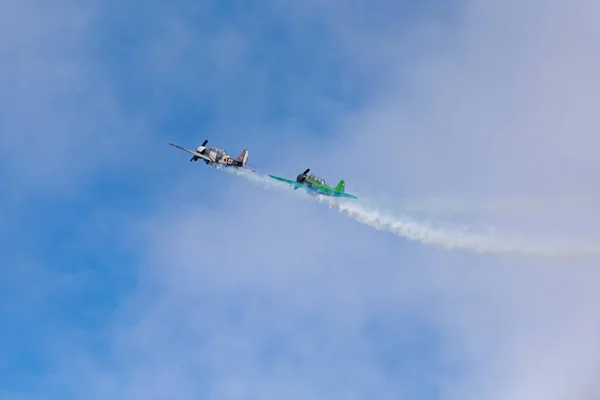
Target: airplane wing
{"points": [[348, 195], [293, 183], [334, 193], [244, 169], [202, 156], [248, 167]]}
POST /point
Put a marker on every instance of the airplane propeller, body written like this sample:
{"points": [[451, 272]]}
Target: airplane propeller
{"points": [[300, 178], [195, 158]]}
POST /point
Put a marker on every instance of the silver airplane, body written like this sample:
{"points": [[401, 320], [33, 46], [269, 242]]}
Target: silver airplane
{"points": [[216, 157]]}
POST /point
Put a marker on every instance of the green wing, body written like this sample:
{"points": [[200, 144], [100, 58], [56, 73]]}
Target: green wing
{"points": [[336, 193], [348, 195], [329, 191], [293, 183]]}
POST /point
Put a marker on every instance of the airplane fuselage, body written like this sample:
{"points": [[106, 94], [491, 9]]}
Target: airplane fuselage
{"points": [[217, 156]]}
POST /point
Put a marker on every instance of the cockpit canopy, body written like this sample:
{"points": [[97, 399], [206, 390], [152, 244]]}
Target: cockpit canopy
{"points": [[315, 178], [218, 151]]}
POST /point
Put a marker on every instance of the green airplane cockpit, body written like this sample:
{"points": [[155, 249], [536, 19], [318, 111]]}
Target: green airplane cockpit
{"points": [[315, 178]]}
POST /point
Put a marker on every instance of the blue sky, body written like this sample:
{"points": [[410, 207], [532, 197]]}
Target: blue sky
{"points": [[128, 272]]}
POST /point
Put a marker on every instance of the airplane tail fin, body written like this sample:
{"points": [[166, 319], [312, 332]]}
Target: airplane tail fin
{"points": [[341, 186], [244, 157]]}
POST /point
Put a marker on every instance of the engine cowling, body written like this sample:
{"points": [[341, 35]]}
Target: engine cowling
{"points": [[302, 177]]}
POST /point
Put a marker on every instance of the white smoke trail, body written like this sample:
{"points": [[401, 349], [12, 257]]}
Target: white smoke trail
{"points": [[446, 238], [258, 179], [460, 239], [515, 205]]}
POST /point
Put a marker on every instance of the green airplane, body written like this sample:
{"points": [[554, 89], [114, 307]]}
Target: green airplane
{"points": [[315, 185]]}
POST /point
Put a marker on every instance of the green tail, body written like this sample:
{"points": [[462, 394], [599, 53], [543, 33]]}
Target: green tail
{"points": [[340, 187]]}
